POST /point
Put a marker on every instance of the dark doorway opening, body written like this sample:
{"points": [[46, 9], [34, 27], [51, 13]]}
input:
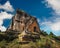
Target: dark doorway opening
{"points": [[34, 29]]}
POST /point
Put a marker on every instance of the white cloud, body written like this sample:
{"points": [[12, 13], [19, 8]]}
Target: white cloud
{"points": [[38, 20], [7, 7], [3, 16], [54, 4], [2, 28], [53, 26], [54, 23]]}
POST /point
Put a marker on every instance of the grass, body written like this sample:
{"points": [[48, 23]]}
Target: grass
{"points": [[48, 41]]}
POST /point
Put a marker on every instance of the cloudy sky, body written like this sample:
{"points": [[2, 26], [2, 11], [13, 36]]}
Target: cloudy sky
{"points": [[47, 13]]}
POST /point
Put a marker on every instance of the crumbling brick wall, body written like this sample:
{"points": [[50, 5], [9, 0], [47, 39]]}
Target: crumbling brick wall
{"points": [[22, 21]]}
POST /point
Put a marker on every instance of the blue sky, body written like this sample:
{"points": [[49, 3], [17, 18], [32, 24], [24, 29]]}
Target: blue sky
{"points": [[46, 12]]}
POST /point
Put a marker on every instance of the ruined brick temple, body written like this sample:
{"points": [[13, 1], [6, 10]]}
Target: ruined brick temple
{"points": [[24, 23]]}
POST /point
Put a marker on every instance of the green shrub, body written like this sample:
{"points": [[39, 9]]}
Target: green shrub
{"points": [[44, 33]]}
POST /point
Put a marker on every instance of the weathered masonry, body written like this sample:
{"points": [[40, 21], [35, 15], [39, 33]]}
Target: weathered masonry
{"points": [[23, 22]]}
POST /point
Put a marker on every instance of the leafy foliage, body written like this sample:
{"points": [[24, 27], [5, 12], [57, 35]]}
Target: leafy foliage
{"points": [[44, 33]]}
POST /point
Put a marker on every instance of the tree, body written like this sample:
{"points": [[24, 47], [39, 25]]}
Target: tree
{"points": [[0, 30], [51, 34], [44, 33]]}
